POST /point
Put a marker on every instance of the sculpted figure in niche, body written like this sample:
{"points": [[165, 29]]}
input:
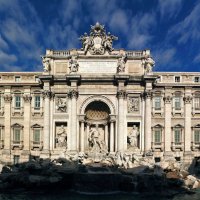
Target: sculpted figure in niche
{"points": [[61, 104], [133, 136], [121, 64], [46, 64], [73, 64], [62, 137], [95, 142]]}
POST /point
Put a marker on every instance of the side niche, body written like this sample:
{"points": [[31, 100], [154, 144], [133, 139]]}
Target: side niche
{"points": [[61, 135]]}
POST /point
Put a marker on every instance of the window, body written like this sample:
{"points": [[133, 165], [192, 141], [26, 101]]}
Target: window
{"points": [[177, 79], [36, 136], [16, 159], [177, 103], [157, 102], [17, 102], [196, 79], [37, 103], [197, 103], [17, 78], [197, 136], [177, 136], [157, 136], [16, 136]]}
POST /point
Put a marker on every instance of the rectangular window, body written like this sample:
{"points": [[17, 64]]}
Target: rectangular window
{"points": [[177, 136], [177, 103], [197, 103], [157, 136], [197, 136], [17, 102], [16, 159], [36, 135], [37, 102], [196, 79], [16, 135], [157, 101], [177, 79], [17, 78]]}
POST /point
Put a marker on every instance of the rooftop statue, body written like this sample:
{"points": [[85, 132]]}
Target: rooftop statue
{"points": [[98, 42]]}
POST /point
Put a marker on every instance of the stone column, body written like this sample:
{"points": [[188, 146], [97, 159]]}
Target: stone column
{"points": [[112, 145], [167, 130], [47, 94], [7, 124], [87, 135], [120, 136], [106, 134], [187, 136], [82, 136], [147, 124], [73, 94], [27, 112]]}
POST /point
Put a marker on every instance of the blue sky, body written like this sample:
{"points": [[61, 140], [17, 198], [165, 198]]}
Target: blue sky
{"points": [[169, 28]]}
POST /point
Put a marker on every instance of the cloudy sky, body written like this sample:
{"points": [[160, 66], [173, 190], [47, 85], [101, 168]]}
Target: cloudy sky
{"points": [[169, 28]]}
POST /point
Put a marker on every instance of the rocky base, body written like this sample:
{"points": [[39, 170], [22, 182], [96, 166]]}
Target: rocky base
{"points": [[165, 178]]}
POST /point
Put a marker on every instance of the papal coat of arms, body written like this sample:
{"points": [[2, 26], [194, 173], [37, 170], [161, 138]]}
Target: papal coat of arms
{"points": [[98, 42]]}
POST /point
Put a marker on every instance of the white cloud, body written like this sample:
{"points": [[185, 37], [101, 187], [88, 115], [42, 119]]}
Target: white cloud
{"points": [[169, 8], [189, 28], [3, 43], [7, 58]]}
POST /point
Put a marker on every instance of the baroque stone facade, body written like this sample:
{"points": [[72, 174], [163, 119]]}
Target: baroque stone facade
{"points": [[99, 101]]}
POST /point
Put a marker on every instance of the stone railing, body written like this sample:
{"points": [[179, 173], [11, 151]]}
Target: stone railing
{"points": [[17, 144], [195, 146], [177, 146], [134, 53], [61, 53], [36, 145], [157, 146]]}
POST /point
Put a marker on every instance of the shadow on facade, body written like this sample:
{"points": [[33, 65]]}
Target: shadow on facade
{"points": [[62, 174]]}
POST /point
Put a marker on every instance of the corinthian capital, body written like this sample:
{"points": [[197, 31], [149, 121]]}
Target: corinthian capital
{"points": [[147, 94], [7, 98], [73, 94], [47, 94], [188, 99], [168, 99], [27, 98], [121, 94]]}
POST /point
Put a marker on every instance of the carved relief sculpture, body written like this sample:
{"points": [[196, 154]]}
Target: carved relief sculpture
{"points": [[73, 64], [61, 104], [98, 41], [133, 137], [61, 138], [133, 104]]}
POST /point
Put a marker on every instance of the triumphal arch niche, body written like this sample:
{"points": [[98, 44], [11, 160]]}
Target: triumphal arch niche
{"points": [[97, 95]]}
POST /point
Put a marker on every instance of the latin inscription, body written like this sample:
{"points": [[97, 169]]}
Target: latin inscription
{"points": [[97, 66]]}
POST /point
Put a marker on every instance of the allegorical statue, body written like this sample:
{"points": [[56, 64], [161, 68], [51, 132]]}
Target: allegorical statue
{"points": [[62, 137], [86, 41], [73, 64], [133, 137], [121, 64], [148, 64], [46, 64], [95, 142]]}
